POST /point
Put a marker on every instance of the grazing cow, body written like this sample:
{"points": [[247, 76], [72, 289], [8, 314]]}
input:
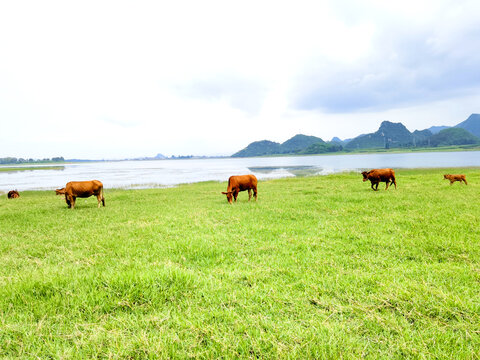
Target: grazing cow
{"points": [[380, 175], [82, 189], [13, 194], [455, 177], [241, 183]]}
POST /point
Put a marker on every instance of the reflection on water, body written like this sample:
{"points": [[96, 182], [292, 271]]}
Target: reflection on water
{"points": [[164, 173], [299, 171]]}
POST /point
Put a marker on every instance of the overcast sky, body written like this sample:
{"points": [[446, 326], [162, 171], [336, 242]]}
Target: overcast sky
{"points": [[116, 79]]}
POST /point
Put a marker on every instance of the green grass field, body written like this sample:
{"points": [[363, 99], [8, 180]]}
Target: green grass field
{"points": [[319, 267], [30, 168]]}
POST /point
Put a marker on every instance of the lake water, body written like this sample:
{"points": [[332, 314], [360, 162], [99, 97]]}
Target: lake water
{"points": [[162, 173]]}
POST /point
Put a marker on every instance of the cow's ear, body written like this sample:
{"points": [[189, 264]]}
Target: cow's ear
{"points": [[224, 193]]}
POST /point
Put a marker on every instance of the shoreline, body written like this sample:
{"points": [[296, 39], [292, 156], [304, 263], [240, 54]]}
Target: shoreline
{"points": [[369, 151], [30, 168], [452, 148], [163, 186]]}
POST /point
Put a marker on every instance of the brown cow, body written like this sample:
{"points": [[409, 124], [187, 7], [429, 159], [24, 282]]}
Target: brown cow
{"points": [[455, 177], [380, 175], [241, 183], [13, 194], [82, 189]]}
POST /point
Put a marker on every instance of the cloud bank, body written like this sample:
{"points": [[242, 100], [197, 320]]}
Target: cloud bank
{"points": [[118, 79]]}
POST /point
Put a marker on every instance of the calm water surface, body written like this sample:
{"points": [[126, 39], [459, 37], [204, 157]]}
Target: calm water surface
{"points": [[161, 173]]}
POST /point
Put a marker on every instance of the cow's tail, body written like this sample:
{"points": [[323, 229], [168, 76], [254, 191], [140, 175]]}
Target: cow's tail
{"points": [[103, 197]]}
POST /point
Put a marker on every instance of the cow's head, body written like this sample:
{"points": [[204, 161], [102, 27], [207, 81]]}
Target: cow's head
{"points": [[446, 176], [229, 195], [60, 191], [365, 175], [13, 194]]}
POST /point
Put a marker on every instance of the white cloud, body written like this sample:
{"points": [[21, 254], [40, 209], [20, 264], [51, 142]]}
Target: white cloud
{"points": [[121, 79]]}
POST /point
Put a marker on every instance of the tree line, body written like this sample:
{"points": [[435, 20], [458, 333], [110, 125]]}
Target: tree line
{"points": [[14, 160]]}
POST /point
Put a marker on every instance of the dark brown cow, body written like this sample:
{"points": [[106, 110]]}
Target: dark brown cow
{"points": [[455, 177], [380, 175], [13, 194], [82, 189], [241, 183]]}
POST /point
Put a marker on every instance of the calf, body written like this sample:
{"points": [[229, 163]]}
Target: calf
{"points": [[241, 183], [455, 177], [380, 175], [82, 189], [13, 194]]}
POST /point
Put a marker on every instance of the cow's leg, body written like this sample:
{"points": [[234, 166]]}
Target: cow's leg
{"points": [[74, 199], [376, 186], [100, 198], [255, 193], [71, 200], [387, 183], [103, 197], [67, 200], [372, 183], [235, 194], [451, 182], [465, 181], [249, 194]]}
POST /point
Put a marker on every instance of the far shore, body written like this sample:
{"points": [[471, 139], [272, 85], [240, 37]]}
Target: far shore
{"points": [[56, 165], [379, 151]]}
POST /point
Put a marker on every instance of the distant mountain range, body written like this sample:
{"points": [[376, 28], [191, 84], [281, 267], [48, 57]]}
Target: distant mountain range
{"points": [[472, 124], [295, 145], [389, 135]]}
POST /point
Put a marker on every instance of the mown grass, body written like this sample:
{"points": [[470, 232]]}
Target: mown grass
{"points": [[319, 267]]}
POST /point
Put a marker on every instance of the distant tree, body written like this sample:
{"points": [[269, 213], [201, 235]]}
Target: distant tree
{"points": [[298, 143], [259, 148], [387, 136], [453, 136], [14, 160], [321, 148]]}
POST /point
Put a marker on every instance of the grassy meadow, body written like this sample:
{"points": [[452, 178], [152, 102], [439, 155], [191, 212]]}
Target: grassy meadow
{"points": [[319, 267], [30, 168]]}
